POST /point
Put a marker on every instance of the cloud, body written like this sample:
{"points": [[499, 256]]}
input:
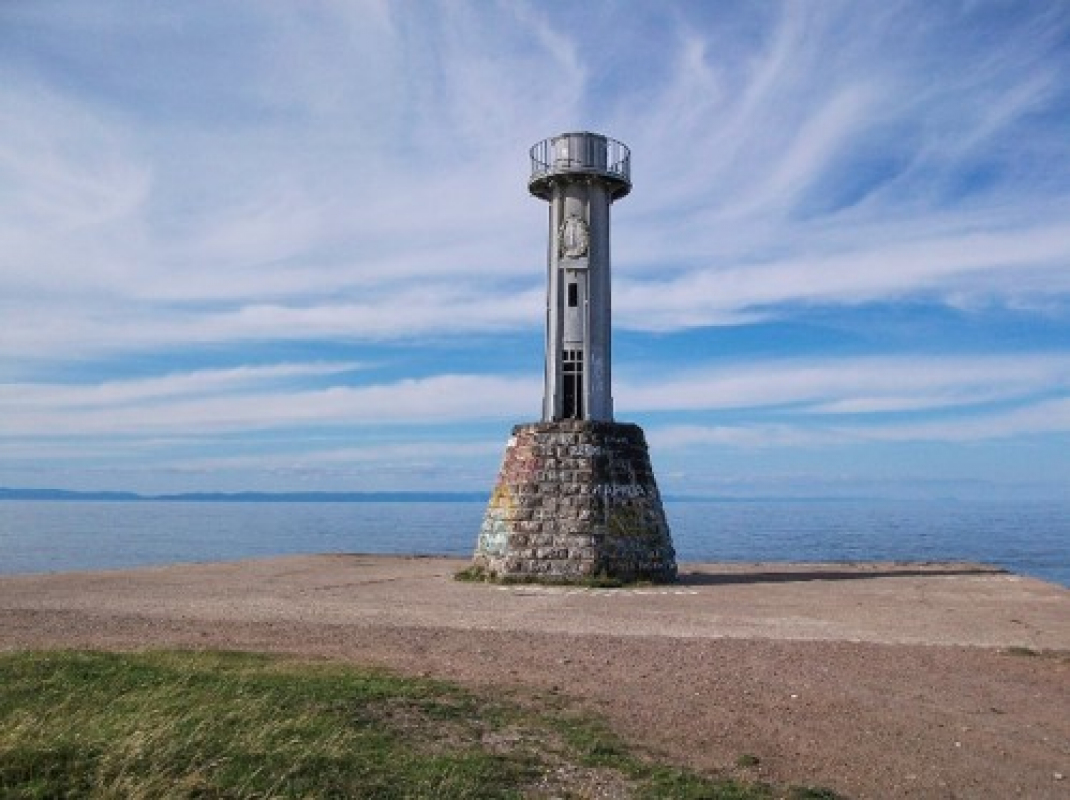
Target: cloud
{"points": [[274, 397], [70, 194], [410, 312], [397, 455], [1043, 418], [370, 149], [194, 405], [116, 393], [852, 385], [670, 438]]}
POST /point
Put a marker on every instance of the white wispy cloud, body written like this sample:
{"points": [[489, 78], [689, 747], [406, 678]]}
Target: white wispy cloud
{"points": [[380, 146], [395, 454], [250, 398], [83, 411], [943, 265], [162, 388], [1042, 418], [855, 385]]}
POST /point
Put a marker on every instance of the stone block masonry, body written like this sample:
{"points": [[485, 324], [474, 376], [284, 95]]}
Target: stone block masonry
{"points": [[575, 500]]}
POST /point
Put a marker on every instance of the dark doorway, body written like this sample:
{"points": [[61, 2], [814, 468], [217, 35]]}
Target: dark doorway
{"points": [[572, 390]]}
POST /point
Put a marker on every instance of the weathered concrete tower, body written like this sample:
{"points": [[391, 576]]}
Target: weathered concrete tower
{"points": [[576, 496], [580, 175]]}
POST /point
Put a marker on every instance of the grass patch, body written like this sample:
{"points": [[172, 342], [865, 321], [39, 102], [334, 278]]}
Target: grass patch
{"points": [[473, 574], [1018, 650], [476, 574], [235, 725], [586, 582]]}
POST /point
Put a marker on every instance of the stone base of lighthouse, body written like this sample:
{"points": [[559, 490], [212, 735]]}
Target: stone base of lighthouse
{"points": [[576, 500]]}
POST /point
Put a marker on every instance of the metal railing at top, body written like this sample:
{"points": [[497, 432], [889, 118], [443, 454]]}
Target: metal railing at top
{"points": [[581, 152]]}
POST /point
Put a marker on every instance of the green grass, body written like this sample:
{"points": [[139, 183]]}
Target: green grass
{"points": [[234, 725], [476, 574], [1018, 650]]}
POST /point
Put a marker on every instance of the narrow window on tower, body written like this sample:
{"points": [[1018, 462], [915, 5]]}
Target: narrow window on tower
{"points": [[573, 295]]}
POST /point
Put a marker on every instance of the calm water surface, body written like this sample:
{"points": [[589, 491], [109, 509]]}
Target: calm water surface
{"points": [[35, 536]]}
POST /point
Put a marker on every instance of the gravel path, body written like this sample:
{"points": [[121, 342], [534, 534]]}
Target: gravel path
{"points": [[876, 680]]}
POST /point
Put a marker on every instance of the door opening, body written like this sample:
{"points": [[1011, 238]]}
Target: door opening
{"points": [[572, 390]]}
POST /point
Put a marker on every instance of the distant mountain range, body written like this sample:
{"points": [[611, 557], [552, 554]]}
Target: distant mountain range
{"points": [[248, 497], [354, 497]]}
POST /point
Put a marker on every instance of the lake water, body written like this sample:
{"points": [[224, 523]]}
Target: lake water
{"points": [[37, 536]]}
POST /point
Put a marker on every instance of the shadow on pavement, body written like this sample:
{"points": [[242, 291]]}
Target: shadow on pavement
{"points": [[826, 573]]}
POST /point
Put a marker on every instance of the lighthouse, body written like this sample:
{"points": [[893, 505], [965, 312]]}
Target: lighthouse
{"points": [[576, 497], [579, 175]]}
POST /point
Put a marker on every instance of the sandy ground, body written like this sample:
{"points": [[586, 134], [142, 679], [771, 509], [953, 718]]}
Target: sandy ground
{"points": [[876, 680]]}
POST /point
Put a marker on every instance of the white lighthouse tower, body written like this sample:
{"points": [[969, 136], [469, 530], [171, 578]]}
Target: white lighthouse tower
{"points": [[576, 496], [579, 175]]}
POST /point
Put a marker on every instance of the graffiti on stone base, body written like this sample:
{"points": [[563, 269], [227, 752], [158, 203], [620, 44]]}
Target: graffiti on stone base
{"points": [[615, 490], [585, 450], [494, 533]]}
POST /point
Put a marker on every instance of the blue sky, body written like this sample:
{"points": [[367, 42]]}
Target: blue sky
{"points": [[289, 246]]}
